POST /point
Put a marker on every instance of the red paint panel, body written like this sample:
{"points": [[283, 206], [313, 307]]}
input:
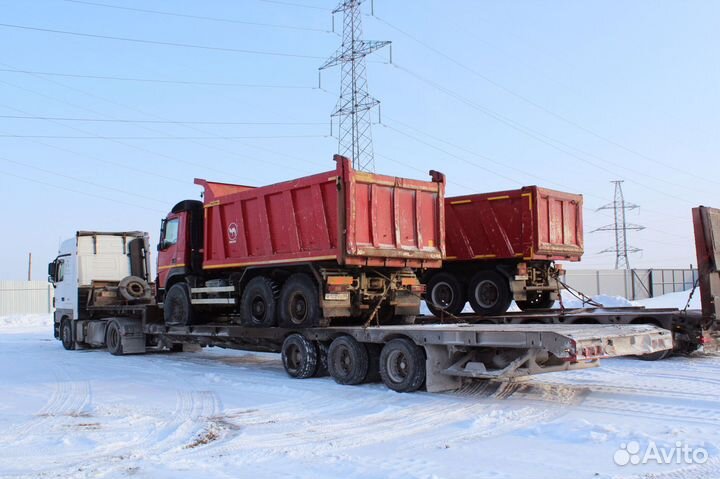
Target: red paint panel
{"points": [[532, 222], [352, 217]]}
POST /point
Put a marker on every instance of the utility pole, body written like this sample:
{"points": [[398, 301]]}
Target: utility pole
{"points": [[354, 105], [620, 227], [29, 266]]}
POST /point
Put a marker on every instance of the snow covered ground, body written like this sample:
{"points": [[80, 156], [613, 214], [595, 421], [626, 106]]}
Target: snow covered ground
{"points": [[229, 414]]}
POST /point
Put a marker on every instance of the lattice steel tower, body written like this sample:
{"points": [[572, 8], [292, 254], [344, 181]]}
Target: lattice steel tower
{"points": [[354, 105], [620, 227]]}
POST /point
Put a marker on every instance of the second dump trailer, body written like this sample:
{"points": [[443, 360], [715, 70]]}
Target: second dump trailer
{"points": [[502, 246]]}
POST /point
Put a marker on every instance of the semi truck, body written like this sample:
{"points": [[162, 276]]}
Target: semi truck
{"points": [[338, 245], [502, 246]]}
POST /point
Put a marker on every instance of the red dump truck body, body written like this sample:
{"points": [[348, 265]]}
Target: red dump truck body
{"points": [[343, 215], [531, 223]]}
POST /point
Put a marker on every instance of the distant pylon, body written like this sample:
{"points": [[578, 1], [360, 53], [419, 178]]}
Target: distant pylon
{"points": [[354, 105], [620, 227]]}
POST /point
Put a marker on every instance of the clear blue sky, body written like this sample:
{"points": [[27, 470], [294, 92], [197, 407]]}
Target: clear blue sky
{"points": [[563, 94]]}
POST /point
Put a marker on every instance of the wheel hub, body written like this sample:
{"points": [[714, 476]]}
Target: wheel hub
{"points": [[442, 295], [486, 293]]}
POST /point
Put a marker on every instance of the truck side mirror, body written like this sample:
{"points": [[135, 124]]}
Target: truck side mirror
{"points": [[51, 271]]}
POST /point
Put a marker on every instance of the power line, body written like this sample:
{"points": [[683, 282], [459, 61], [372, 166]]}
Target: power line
{"points": [[155, 80], [198, 17], [159, 42], [168, 122], [80, 180], [84, 193], [543, 138], [103, 137], [536, 104], [194, 128]]}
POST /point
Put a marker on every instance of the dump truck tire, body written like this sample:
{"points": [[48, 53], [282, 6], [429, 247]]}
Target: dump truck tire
{"points": [[489, 293], [298, 304], [177, 310], [258, 304], [445, 293]]}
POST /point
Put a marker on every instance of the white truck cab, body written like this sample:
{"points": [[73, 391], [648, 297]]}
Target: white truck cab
{"points": [[95, 267]]}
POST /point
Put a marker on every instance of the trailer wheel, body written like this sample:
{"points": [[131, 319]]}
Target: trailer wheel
{"points": [[259, 302], [537, 300], [402, 365], [656, 356], [299, 306], [113, 339], [66, 335], [489, 293], [299, 356], [445, 293], [348, 360], [177, 310]]}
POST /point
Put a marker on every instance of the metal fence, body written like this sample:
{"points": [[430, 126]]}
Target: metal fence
{"points": [[631, 284], [25, 297]]}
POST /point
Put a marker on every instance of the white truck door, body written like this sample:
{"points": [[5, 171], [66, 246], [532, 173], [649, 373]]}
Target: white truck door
{"points": [[66, 287]]}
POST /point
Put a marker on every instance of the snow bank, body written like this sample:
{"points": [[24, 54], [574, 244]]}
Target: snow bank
{"points": [[25, 322], [671, 300]]}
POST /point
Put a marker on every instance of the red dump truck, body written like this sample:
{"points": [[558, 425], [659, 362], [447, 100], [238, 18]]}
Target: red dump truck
{"points": [[338, 244], [502, 246]]}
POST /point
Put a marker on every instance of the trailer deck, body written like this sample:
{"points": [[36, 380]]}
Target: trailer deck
{"points": [[452, 351]]}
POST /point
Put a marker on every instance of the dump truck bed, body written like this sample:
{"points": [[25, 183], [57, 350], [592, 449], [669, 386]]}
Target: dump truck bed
{"points": [[342, 215], [530, 223]]}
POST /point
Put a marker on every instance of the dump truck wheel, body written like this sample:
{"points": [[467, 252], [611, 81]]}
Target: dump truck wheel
{"points": [[299, 356], [113, 339], [66, 335], [445, 293], [402, 365], [348, 360], [258, 303], [537, 301], [177, 310], [299, 306], [489, 293]]}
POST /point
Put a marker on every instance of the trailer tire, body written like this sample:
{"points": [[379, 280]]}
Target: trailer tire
{"points": [[177, 310], [66, 334], [402, 365], [299, 356], [539, 300], [656, 356], [348, 361], [258, 304], [489, 293], [298, 304], [113, 339], [445, 293]]}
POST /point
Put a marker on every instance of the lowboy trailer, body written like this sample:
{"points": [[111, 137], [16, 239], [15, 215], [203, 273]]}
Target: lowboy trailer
{"points": [[101, 281]]}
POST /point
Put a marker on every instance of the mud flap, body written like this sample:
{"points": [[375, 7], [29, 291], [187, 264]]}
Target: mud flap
{"points": [[132, 334]]}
